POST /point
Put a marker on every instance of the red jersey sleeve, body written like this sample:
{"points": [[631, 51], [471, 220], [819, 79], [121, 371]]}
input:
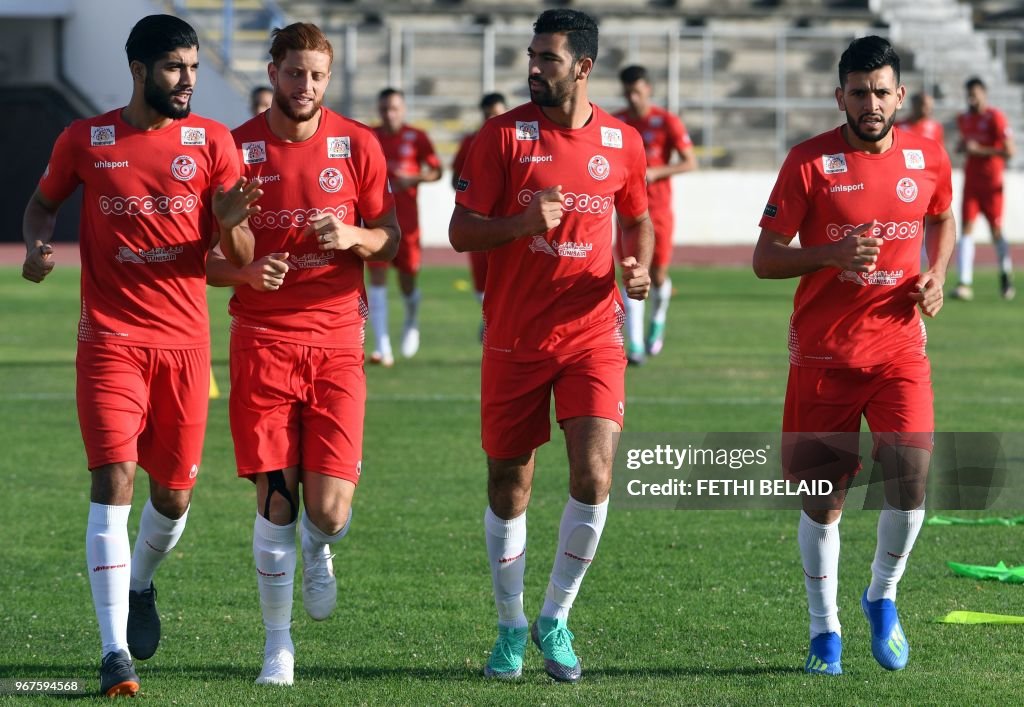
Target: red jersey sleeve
{"points": [[225, 169], [425, 154], [60, 178], [678, 136], [484, 175], [631, 200], [375, 198], [1001, 128], [460, 156], [942, 197], [787, 205]]}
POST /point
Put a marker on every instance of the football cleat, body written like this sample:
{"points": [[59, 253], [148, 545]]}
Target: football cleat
{"points": [[117, 675], [1006, 287], [379, 359], [962, 292], [635, 355], [278, 667], [554, 640], [410, 341], [655, 338], [506, 661], [888, 642], [825, 655], [143, 623]]}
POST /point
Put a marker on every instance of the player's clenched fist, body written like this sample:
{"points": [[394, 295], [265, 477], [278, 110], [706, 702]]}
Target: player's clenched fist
{"points": [[267, 273], [38, 263], [858, 252], [635, 279], [545, 211]]}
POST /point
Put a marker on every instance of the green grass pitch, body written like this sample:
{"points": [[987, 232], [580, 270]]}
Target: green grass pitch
{"points": [[678, 608]]}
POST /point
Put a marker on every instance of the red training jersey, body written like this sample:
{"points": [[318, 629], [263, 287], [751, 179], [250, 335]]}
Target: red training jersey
{"points": [[460, 155], [990, 129], [925, 127], [146, 225], [340, 170], [663, 133], [554, 293], [825, 189], [407, 151]]}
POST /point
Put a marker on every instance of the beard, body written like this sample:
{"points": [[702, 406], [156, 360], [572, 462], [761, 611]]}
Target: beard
{"points": [[282, 102], [868, 137], [550, 94], [160, 101]]}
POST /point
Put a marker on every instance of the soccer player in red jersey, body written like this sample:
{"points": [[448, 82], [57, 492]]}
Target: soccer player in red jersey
{"points": [[539, 190], [987, 140], [411, 162], [491, 104], [861, 197], [664, 136], [298, 391], [920, 120], [161, 186]]}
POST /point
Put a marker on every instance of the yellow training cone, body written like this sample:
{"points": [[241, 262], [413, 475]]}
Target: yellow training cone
{"points": [[214, 390], [978, 617]]}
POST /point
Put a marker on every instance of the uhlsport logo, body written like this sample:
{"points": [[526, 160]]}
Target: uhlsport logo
{"points": [[183, 168], [571, 201], [101, 135], [906, 189], [888, 230], [339, 147], [599, 168], [254, 152], [331, 180]]}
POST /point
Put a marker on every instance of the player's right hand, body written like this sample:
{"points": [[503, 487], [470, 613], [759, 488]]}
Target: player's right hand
{"points": [[267, 273], [858, 252], [545, 211], [38, 263]]}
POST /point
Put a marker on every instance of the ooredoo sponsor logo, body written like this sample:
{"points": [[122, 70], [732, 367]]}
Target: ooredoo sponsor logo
{"points": [[148, 204], [889, 230], [294, 218], [571, 201]]}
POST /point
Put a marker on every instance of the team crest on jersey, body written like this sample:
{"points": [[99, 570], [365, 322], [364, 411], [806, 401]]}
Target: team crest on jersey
{"points": [[183, 168], [527, 130], [906, 189], [339, 148], [656, 121], [599, 168], [331, 180], [834, 164], [914, 159], [102, 135], [193, 136], [254, 152], [611, 137]]}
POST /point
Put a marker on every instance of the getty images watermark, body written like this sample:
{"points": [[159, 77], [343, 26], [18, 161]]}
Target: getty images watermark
{"points": [[731, 471]]}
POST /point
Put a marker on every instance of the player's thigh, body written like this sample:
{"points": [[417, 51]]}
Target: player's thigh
{"points": [[112, 394], [592, 384], [171, 445], [821, 424], [515, 404], [992, 208], [409, 255], [901, 408], [664, 228], [970, 207], [332, 419], [264, 406]]}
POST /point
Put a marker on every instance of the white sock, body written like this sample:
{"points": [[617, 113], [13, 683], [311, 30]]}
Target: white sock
{"points": [[819, 551], [1003, 251], [660, 297], [897, 531], [379, 318], [273, 549], [412, 309], [506, 552], [313, 539], [634, 321], [158, 535], [965, 260], [578, 536], [109, 557]]}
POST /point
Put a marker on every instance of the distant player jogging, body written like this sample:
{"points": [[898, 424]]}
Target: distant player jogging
{"points": [[539, 190], [861, 197], [161, 186], [298, 390]]}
